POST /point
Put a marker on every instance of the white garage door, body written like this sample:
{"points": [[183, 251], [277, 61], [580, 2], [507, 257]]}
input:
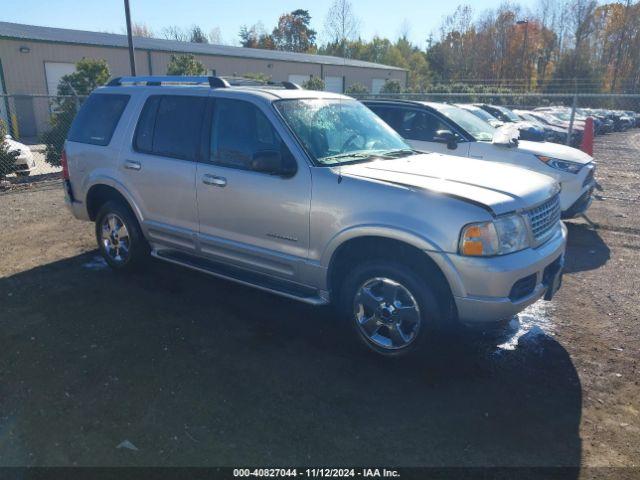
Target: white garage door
{"points": [[333, 84], [299, 79], [54, 71], [377, 84]]}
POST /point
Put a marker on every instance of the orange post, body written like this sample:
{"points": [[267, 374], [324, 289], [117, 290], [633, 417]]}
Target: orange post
{"points": [[587, 138]]}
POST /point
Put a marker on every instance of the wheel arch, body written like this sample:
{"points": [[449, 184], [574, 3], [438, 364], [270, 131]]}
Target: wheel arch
{"points": [[406, 250], [104, 190]]}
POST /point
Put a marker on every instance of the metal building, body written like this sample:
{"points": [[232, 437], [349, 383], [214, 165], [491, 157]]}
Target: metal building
{"points": [[33, 59]]}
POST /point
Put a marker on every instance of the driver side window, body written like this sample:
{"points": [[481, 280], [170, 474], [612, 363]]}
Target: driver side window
{"points": [[239, 132], [422, 126]]}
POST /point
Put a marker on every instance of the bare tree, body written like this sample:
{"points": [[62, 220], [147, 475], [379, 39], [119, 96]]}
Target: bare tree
{"points": [[141, 30], [405, 29], [215, 36], [174, 32], [341, 23]]}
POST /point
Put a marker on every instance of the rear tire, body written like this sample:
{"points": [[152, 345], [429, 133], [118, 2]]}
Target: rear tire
{"points": [[120, 238], [391, 309]]}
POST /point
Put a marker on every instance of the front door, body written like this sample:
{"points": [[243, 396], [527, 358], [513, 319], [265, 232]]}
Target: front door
{"points": [[418, 127], [248, 217]]}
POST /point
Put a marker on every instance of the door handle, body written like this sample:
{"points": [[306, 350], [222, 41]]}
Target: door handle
{"points": [[214, 180], [131, 165], [480, 157]]}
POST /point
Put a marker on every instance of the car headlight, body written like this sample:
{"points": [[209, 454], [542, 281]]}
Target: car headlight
{"points": [[503, 235], [563, 165]]}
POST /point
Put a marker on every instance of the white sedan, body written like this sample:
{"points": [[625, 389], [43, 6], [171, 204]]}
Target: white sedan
{"points": [[25, 163]]}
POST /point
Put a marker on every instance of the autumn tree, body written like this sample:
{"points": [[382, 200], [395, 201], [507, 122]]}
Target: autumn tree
{"points": [[256, 36], [294, 33]]}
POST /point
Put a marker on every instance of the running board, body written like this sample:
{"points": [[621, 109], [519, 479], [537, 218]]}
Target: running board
{"points": [[241, 276]]}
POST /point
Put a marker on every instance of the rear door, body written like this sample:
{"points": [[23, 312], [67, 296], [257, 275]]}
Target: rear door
{"points": [[252, 219], [159, 167]]}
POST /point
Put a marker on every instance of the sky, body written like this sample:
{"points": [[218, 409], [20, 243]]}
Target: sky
{"points": [[382, 17]]}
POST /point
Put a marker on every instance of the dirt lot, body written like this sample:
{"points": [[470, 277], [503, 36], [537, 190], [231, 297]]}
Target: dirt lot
{"points": [[195, 371]]}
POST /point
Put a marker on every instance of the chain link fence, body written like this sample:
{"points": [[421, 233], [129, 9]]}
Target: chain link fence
{"points": [[36, 125], [34, 128]]}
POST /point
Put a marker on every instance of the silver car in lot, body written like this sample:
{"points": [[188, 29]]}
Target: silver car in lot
{"points": [[311, 196]]}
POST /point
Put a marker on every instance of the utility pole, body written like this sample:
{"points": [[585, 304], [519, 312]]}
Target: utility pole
{"points": [[132, 57], [524, 51]]}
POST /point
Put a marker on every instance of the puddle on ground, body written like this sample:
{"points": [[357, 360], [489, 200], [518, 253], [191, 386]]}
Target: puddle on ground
{"points": [[96, 263], [533, 323]]}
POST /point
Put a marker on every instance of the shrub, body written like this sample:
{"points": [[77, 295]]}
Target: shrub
{"points": [[314, 83], [185, 65], [391, 86], [356, 89]]}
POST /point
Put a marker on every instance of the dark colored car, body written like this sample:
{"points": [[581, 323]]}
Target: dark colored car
{"points": [[528, 131]]}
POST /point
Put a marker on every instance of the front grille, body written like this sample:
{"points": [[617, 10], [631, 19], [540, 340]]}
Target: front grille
{"points": [[544, 218]]}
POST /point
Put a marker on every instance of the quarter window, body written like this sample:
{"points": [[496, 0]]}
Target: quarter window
{"points": [[97, 119], [170, 126]]}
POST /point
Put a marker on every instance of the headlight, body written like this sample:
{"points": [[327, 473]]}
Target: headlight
{"points": [[504, 235], [563, 165]]}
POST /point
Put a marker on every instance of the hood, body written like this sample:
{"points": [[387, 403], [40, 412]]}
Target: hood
{"points": [[496, 187], [554, 150]]}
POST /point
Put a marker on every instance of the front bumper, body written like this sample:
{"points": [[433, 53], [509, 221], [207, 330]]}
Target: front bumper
{"points": [[485, 289], [575, 196]]}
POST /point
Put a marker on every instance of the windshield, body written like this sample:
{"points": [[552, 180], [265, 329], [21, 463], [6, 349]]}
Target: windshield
{"points": [[335, 131], [478, 129], [478, 112], [509, 114]]}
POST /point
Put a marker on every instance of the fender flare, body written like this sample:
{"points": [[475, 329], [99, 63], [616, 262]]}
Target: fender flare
{"points": [[102, 179]]}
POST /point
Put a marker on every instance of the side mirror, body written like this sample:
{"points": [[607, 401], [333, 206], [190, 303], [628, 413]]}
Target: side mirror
{"points": [[272, 162], [446, 136]]}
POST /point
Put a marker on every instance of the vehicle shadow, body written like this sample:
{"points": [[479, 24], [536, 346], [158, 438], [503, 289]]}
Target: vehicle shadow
{"points": [[586, 250], [196, 371]]}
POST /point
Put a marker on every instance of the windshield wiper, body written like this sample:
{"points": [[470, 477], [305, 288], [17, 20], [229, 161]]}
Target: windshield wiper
{"points": [[403, 152], [340, 156]]}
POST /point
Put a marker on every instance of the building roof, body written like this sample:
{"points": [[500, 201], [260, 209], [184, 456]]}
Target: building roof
{"points": [[83, 37]]}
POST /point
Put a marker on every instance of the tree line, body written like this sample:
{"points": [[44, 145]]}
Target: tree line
{"points": [[559, 45]]}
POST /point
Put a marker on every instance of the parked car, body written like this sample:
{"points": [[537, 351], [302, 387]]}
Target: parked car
{"points": [[25, 163], [444, 128], [552, 133], [577, 132], [311, 196], [481, 114], [528, 131]]}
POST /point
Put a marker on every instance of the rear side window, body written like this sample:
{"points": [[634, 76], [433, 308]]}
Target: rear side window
{"points": [[170, 126], [97, 119]]}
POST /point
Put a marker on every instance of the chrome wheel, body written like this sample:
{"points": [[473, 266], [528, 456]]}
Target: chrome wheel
{"points": [[114, 238], [387, 314]]}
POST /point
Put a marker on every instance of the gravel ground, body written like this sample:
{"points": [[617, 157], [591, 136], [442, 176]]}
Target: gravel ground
{"points": [[195, 371]]}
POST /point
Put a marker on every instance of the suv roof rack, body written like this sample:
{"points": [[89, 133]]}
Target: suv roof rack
{"points": [[213, 82]]}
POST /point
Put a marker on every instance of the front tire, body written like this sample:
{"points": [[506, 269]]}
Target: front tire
{"points": [[391, 309], [119, 237]]}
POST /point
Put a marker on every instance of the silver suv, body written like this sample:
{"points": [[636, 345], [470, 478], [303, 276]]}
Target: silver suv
{"points": [[311, 196]]}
